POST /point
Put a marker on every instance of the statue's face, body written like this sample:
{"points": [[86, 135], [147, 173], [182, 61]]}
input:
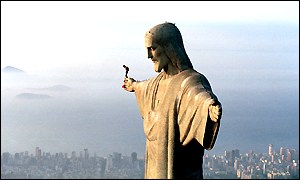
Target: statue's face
{"points": [[157, 54]]}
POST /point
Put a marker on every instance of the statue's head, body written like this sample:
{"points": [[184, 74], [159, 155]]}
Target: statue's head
{"points": [[169, 37]]}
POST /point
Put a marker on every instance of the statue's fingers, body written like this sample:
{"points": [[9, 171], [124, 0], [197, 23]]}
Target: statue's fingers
{"points": [[213, 110], [217, 111], [214, 118]]}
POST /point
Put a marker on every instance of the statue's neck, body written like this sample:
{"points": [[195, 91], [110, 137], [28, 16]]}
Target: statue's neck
{"points": [[171, 70]]}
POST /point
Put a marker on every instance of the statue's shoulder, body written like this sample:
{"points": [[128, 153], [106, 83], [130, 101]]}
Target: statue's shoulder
{"points": [[191, 74], [192, 77]]}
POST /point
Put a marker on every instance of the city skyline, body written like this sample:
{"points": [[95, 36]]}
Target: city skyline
{"points": [[232, 164], [270, 149]]}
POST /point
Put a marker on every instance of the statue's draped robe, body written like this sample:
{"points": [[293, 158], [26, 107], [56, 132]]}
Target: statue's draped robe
{"points": [[178, 128]]}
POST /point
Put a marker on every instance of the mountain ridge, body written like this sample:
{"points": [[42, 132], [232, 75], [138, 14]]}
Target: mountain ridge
{"points": [[32, 96], [11, 69]]}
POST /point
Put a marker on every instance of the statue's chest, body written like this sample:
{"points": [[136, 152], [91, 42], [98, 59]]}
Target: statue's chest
{"points": [[162, 92]]}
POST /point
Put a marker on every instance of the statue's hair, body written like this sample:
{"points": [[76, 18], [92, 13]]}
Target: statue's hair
{"points": [[169, 37]]}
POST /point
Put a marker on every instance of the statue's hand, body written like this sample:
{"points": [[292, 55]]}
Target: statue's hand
{"points": [[215, 111], [129, 84]]}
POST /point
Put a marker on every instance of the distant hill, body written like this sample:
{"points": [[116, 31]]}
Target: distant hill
{"points": [[32, 96], [10, 69]]}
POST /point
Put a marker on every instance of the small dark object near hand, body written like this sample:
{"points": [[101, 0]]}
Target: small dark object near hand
{"points": [[127, 69]]}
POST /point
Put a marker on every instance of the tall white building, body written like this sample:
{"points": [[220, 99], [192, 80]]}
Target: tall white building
{"points": [[270, 149]]}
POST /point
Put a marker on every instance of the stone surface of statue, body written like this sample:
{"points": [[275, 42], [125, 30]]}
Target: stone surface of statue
{"points": [[180, 112]]}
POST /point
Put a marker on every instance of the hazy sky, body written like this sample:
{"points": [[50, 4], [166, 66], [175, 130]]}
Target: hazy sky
{"points": [[38, 36], [248, 50]]}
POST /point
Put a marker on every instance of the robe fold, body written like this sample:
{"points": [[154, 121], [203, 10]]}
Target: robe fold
{"points": [[177, 125]]}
